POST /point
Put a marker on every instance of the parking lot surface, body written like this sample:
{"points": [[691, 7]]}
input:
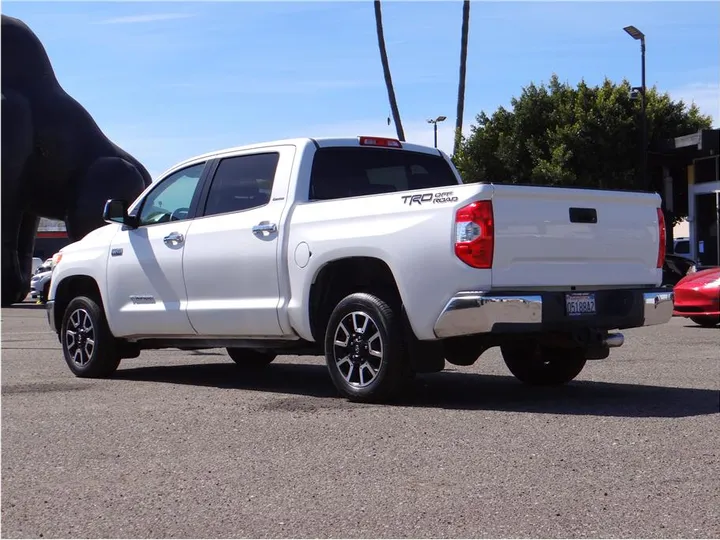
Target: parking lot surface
{"points": [[182, 444]]}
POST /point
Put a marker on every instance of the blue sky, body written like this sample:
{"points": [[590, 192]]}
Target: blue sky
{"points": [[170, 80]]}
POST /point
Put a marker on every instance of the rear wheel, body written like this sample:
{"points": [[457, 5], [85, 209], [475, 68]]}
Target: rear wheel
{"points": [[364, 349], [537, 365], [707, 321], [249, 358], [88, 345]]}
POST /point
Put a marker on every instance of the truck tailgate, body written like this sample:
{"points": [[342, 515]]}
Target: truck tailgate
{"points": [[564, 237]]}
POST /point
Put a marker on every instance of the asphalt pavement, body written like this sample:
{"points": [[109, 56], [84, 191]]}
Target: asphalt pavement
{"points": [[183, 444]]}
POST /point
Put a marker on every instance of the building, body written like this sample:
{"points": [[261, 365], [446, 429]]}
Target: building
{"points": [[690, 168]]}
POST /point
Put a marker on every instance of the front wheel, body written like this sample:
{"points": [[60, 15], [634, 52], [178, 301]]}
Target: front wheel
{"points": [[707, 321], [537, 365], [88, 345], [364, 349], [249, 358]]}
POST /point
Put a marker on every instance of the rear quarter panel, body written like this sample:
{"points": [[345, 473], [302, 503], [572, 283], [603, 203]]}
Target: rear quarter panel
{"points": [[414, 240]]}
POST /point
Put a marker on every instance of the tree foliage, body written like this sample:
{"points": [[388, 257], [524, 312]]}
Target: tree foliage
{"points": [[584, 137]]}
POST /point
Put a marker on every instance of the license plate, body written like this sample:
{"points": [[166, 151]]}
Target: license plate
{"points": [[580, 304]]}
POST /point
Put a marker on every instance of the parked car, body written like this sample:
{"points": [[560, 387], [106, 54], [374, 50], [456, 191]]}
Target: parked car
{"points": [[40, 281], [40, 285], [697, 297], [681, 246], [369, 251], [36, 263]]}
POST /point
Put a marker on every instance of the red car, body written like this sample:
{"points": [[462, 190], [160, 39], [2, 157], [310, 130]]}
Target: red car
{"points": [[697, 296]]}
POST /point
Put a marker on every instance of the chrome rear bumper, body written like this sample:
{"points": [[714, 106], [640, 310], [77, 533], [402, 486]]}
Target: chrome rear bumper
{"points": [[480, 312], [658, 307]]}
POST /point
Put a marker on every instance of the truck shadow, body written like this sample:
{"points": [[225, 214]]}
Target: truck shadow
{"points": [[450, 390]]}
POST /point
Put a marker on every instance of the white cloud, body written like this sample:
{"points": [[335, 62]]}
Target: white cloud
{"points": [[151, 17], [705, 95]]}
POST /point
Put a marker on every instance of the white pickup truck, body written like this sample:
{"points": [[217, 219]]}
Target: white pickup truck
{"points": [[368, 251]]}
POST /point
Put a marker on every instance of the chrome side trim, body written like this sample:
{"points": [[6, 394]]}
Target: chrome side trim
{"points": [[477, 312], [50, 312], [658, 307]]}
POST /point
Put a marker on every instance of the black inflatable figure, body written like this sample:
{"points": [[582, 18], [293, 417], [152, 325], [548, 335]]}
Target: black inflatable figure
{"points": [[56, 162]]}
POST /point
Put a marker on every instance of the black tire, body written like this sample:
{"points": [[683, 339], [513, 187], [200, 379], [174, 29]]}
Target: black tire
{"points": [[366, 369], [249, 358], [45, 293], [707, 321], [84, 322], [536, 365]]}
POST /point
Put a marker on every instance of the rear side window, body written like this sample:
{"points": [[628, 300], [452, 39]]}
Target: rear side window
{"points": [[241, 183], [353, 172]]}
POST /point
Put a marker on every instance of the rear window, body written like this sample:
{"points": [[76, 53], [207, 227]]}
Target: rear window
{"points": [[353, 172]]}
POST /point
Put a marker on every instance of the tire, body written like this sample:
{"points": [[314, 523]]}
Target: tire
{"points": [[707, 321], [366, 369], [84, 324], [249, 358], [536, 365], [45, 292]]}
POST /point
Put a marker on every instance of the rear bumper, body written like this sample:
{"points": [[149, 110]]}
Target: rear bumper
{"points": [[480, 312]]}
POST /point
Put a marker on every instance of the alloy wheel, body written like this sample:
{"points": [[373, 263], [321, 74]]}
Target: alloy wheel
{"points": [[80, 337], [358, 349]]}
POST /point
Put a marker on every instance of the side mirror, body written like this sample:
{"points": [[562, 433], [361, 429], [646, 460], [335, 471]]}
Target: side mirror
{"points": [[115, 211]]}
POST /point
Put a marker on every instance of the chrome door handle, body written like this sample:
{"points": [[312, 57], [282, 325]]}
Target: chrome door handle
{"points": [[264, 227], [174, 238]]}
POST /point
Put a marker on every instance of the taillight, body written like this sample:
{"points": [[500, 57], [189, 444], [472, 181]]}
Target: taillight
{"points": [[380, 141], [661, 238], [475, 234]]}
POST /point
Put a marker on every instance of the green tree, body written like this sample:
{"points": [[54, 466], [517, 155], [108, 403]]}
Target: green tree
{"points": [[584, 137]]}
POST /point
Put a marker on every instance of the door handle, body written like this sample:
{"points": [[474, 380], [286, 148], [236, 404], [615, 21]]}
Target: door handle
{"points": [[264, 227], [174, 238]]}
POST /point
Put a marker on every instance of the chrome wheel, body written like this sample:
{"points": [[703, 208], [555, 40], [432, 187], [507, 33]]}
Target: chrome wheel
{"points": [[80, 337], [358, 349]]}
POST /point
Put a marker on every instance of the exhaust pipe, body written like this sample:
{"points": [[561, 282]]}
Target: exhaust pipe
{"points": [[614, 340]]}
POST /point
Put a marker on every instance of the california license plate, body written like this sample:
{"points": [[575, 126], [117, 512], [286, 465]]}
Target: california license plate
{"points": [[580, 304]]}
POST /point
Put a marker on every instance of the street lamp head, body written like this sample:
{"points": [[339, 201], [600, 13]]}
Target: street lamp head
{"points": [[634, 32], [441, 118]]}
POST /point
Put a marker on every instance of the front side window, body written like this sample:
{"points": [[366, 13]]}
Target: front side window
{"points": [[241, 183], [172, 198]]}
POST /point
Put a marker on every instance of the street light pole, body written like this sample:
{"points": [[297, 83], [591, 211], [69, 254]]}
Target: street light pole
{"points": [[639, 36], [434, 122]]}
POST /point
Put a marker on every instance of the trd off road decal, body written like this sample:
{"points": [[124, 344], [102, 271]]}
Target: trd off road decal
{"points": [[432, 198]]}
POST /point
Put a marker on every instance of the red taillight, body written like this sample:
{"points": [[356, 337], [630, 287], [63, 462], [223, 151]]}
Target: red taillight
{"points": [[661, 238], [380, 141], [475, 234]]}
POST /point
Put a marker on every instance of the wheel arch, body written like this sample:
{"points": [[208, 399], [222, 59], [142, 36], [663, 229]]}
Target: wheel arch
{"points": [[71, 287], [340, 277]]}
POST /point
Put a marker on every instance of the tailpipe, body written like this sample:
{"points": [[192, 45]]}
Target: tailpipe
{"points": [[614, 340]]}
